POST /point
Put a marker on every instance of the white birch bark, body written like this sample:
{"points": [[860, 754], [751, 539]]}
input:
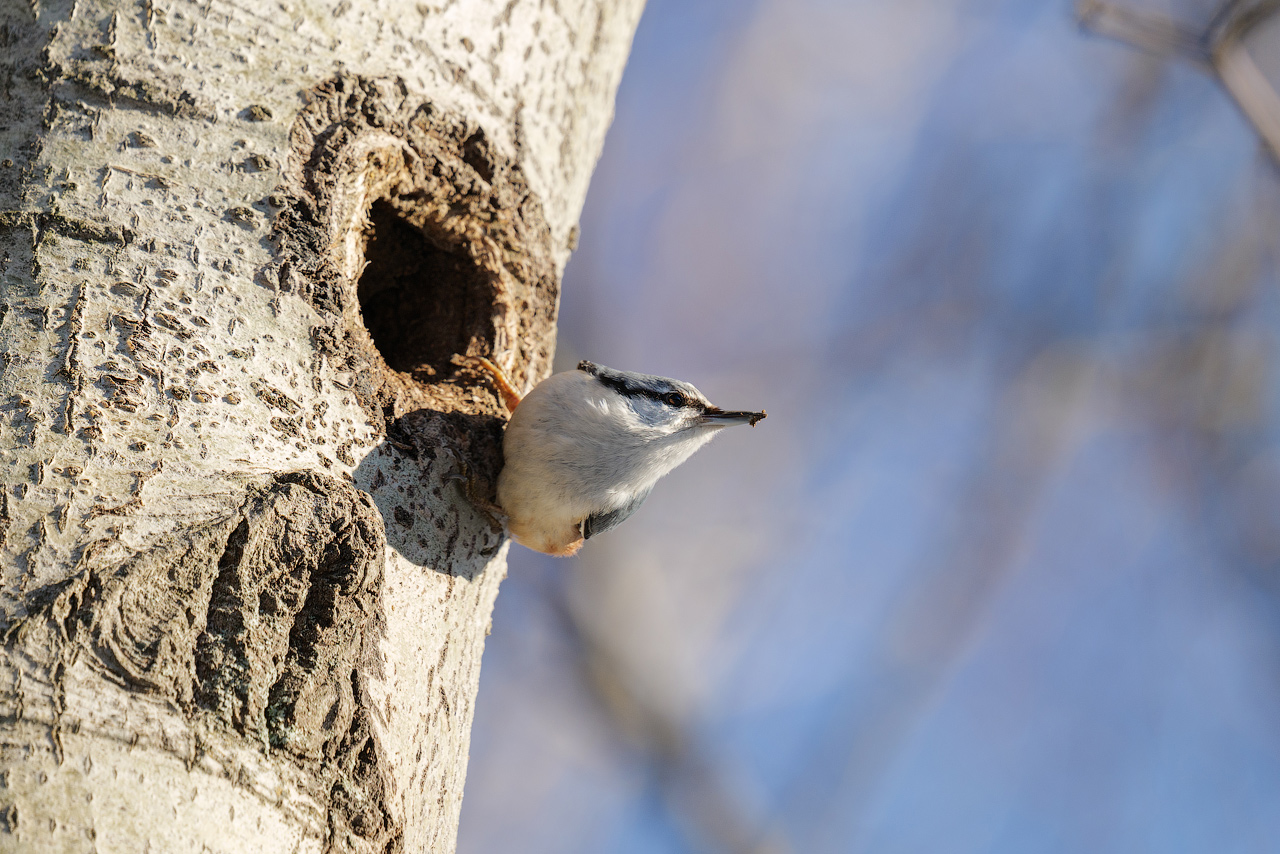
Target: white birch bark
{"points": [[244, 597]]}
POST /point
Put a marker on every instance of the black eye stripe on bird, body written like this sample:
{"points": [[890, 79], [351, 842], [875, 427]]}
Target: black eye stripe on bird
{"points": [[659, 389], [577, 466]]}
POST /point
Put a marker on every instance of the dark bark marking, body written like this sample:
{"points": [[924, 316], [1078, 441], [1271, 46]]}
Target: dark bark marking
{"points": [[123, 83], [5, 518], [288, 427], [78, 229], [258, 624], [256, 113], [274, 397], [359, 795]]}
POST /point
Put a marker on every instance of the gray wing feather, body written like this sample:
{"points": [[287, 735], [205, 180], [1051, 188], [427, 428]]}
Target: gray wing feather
{"points": [[598, 523]]}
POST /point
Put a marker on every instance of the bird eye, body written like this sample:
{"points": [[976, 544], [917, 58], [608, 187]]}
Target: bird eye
{"points": [[675, 398]]}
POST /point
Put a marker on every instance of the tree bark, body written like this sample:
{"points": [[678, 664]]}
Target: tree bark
{"points": [[245, 584]]}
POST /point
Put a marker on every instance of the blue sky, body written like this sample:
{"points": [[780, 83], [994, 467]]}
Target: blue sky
{"points": [[998, 574]]}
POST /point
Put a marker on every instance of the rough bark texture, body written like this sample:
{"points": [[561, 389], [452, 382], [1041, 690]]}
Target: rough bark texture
{"points": [[242, 594]]}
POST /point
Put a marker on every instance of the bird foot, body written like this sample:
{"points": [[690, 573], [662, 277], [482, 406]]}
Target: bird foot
{"points": [[471, 489], [506, 391]]}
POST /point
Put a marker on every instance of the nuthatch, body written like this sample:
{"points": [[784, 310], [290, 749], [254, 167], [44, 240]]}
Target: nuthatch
{"points": [[584, 449]]}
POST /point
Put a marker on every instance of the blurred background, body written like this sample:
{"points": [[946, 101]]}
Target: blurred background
{"points": [[1001, 571]]}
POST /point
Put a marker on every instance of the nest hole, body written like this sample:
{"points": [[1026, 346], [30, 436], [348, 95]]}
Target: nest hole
{"points": [[421, 303]]}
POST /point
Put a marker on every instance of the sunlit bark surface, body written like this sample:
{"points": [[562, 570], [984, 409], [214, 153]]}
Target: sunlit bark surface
{"points": [[242, 247]]}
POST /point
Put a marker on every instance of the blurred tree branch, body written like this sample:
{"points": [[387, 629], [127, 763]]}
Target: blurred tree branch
{"points": [[1227, 48]]}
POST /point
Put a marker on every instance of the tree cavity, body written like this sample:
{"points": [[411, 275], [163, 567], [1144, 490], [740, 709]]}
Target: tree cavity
{"points": [[421, 303]]}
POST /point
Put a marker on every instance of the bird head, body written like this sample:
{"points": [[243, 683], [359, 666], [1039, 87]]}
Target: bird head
{"points": [[666, 406]]}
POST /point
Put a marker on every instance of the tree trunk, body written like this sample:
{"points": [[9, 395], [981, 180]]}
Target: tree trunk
{"points": [[242, 246]]}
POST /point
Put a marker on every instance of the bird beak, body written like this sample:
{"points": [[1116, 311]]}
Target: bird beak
{"points": [[721, 418]]}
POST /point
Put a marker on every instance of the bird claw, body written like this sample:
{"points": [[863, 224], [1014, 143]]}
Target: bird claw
{"points": [[467, 485], [507, 392]]}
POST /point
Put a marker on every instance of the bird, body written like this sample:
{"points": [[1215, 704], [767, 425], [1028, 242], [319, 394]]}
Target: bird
{"points": [[584, 449]]}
